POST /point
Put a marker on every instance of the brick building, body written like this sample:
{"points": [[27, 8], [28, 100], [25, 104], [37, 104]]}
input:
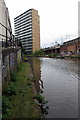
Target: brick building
{"points": [[71, 47]]}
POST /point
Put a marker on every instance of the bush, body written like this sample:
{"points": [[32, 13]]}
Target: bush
{"points": [[38, 53], [19, 68], [6, 104], [40, 98], [10, 89], [14, 76], [53, 55]]}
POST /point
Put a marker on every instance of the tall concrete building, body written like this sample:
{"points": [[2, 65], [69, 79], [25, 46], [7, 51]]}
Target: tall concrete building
{"points": [[27, 30]]}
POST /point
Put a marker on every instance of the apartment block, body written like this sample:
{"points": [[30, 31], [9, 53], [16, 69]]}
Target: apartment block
{"points": [[27, 30]]}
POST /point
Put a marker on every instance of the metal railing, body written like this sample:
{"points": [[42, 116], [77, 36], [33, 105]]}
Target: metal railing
{"points": [[7, 38]]}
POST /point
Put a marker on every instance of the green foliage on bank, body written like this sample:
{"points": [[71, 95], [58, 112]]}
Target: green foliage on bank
{"points": [[38, 53], [40, 98], [17, 100], [53, 55], [10, 89]]}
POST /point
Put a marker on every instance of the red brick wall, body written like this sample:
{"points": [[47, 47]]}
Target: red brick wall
{"points": [[69, 46], [63, 49], [72, 48]]}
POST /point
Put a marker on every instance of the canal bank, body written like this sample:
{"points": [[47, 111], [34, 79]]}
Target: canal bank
{"points": [[55, 79], [18, 95]]}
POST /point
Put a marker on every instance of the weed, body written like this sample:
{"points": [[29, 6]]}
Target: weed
{"points": [[19, 68], [10, 89], [40, 98], [6, 104], [14, 76]]}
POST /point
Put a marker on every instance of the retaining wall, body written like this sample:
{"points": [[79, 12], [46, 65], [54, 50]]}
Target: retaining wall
{"points": [[11, 57]]}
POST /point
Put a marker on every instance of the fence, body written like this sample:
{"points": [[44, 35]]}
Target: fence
{"points": [[10, 52], [7, 39]]}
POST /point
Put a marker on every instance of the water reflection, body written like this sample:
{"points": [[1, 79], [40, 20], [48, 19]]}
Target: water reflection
{"points": [[57, 79], [35, 65], [36, 68]]}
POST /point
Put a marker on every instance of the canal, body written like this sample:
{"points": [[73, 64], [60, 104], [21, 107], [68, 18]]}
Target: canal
{"points": [[57, 80]]}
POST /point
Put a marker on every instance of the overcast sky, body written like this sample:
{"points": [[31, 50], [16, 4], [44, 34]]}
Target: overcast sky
{"points": [[58, 18]]}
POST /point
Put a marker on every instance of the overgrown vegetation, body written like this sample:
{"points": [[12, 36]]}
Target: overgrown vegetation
{"points": [[17, 100]]}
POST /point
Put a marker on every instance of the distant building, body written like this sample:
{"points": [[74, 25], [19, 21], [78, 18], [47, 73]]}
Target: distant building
{"points": [[27, 30], [5, 25], [52, 50], [70, 47]]}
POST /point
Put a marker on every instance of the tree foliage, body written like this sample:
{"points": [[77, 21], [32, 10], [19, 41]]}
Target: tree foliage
{"points": [[38, 53]]}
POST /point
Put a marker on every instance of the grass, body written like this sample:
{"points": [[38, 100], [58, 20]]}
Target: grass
{"points": [[18, 95]]}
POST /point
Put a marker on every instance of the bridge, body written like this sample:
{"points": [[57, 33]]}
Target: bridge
{"points": [[52, 50]]}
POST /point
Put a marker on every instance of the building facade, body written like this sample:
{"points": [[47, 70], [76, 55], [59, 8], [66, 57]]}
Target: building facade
{"points": [[71, 47], [79, 19], [27, 30], [5, 25]]}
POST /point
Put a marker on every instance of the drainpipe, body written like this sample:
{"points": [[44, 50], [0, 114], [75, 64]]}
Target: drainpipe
{"points": [[6, 27]]}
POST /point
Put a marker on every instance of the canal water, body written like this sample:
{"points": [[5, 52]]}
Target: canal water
{"points": [[58, 79]]}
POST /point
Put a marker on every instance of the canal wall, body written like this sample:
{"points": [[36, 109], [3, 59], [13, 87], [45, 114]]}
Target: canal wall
{"points": [[35, 66], [11, 57]]}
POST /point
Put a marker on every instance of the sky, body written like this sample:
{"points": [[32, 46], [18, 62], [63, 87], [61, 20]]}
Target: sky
{"points": [[58, 18]]}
